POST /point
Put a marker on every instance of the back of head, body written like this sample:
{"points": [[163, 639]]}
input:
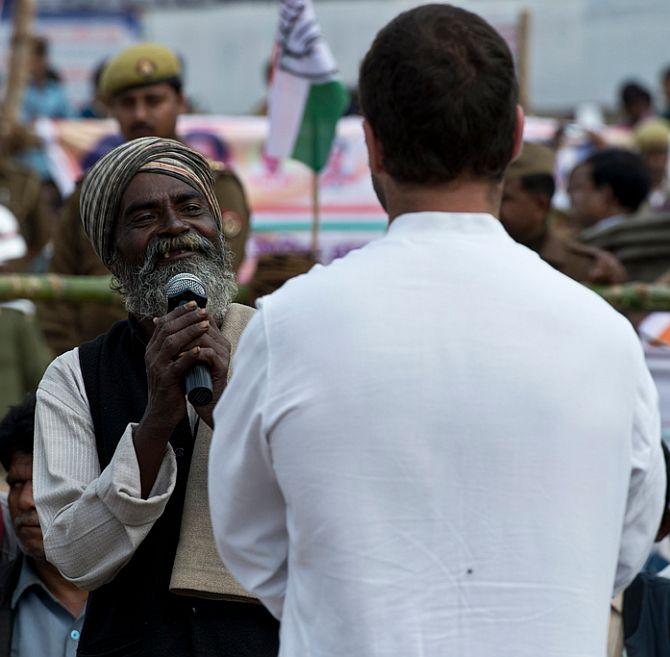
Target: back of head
{"points": [[17, 429], [439, 90], [632, 93], [624, 173]]}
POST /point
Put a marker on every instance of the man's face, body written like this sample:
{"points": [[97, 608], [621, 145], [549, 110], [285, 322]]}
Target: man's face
{"points": [[588, 204], [521, 213], [149, 111], [166, 227], [38, 65], [22, 505]]}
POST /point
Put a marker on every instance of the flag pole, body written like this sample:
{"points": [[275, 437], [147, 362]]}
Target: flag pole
{"points": [[316, 215]]}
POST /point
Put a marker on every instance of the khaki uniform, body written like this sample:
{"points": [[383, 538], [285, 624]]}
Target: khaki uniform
{"points": [[578, 261], [23, 356], [66, 324], [21, 193]]}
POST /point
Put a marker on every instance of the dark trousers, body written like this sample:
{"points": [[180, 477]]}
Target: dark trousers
{"points": [[204, 628]]}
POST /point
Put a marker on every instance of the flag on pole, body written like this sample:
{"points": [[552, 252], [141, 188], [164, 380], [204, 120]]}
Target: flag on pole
{"points": [[306, 99]]}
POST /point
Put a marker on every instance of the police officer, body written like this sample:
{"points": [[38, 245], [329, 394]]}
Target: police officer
{"points": [[142, 87], [526, 213], [21, 194]]}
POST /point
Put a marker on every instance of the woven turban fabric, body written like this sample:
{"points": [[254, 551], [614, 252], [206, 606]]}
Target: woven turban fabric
{"points": [[107, 181]]}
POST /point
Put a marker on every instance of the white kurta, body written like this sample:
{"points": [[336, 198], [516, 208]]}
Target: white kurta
{"points": [[437, 446]]}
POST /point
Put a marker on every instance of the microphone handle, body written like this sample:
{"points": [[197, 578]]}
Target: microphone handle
{"points": [[198, 384]]}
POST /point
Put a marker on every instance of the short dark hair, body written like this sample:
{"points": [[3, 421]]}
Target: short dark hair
{"points": [[17, 429], [539, 183], [439, 90], [624, 173], [632, 92], [40, 46]]}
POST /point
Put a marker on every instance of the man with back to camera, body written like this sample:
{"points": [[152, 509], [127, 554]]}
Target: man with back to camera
{"points": [[120, 456], [428, 447], [526, 214], [143, 88]]}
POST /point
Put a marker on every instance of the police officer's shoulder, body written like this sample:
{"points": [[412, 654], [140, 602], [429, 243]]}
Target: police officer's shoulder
{"points": [[583, 250], [222, 171]]}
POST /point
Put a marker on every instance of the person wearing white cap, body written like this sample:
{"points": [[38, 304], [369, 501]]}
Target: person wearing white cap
{"points": [[23, 354]]}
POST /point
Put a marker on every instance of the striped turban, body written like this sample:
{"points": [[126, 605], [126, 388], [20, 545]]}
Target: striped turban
{"points": [[108, 180]]}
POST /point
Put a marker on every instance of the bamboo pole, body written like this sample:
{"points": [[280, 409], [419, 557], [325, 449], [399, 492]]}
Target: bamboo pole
{"points": [[636, 296], [316, 216], [52, 287], [19, 61], [524, 58]]}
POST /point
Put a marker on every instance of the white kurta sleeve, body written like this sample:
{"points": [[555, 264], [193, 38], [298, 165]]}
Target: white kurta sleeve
{"points": [[247, 505], [92, 521], [646, 493]]}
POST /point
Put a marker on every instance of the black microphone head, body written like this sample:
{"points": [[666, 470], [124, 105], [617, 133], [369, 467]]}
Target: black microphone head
{"points": [[185, 287]]}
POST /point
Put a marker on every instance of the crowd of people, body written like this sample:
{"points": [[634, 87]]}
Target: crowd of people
{"points": [[443, 443]]}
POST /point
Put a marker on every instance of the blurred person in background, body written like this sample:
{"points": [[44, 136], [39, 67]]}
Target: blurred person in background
{"points": [[44, 97], [41, 613], [635, 103], [652, 139], [142, 87], [95, 108], [526, 214], [23, 354], [608, 188], [665, 87], [22, 194]]}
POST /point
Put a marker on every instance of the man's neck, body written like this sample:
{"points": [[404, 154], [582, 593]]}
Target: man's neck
{"points": [[72, 598], [457, 197]]}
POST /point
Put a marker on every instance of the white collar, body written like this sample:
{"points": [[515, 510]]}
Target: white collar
{"points": [[454, 222]]}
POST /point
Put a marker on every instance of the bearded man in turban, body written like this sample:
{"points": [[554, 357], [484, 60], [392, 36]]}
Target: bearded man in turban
{"points": [[120, 454]]}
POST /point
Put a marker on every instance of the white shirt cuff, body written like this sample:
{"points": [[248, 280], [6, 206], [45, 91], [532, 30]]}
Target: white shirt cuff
{"points": [[119, 486]]}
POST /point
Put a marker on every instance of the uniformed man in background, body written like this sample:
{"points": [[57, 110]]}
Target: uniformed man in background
{"points": [[526, 213], [21, 194], [142, 87]]}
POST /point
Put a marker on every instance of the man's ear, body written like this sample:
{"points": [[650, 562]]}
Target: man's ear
{"points": [[609, 200], [542, 203], [375, 151], [182, 103], [518, 132]]}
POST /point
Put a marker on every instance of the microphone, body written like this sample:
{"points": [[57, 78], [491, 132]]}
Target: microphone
{"points": [[181, 289]]}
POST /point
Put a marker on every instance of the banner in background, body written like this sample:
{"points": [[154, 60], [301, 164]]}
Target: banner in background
{"points": [[279, 193]]}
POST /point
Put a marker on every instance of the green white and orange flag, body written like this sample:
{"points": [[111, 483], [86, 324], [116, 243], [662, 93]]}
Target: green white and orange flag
{"points": [[306, 99]]}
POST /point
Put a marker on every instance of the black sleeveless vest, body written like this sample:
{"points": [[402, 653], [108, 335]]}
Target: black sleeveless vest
{"points": [[135, 614]]}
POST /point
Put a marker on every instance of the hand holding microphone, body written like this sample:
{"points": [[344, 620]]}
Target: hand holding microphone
{"points": [[186, 354], [181, 289]]}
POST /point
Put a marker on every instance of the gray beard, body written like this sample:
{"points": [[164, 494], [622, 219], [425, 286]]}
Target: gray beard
{"points": [[143, 288]]}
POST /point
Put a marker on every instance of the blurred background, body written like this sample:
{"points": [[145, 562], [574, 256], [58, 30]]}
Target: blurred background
{"points": [[579, 50]]}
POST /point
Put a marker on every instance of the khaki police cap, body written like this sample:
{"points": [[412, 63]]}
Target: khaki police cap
{"points": [[139, 65], [535, 159], [652, 134]]}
